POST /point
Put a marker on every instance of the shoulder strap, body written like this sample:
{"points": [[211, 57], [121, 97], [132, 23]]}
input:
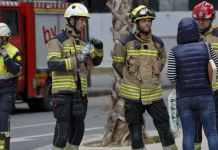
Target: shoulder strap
{"points": [[208, 50], [154, 41]]}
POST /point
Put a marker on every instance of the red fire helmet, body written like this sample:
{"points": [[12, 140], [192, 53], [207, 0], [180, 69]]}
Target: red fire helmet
{"points": [[204, 10]]}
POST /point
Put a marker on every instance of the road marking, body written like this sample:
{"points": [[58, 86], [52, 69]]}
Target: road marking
{"points": [[30, 138], [89, 129], [35, 125]]}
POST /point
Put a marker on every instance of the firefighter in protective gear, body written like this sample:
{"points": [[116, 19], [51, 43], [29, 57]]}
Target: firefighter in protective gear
{"points": [[10, 66], [204, 15], [139, 59], [69, 84]]}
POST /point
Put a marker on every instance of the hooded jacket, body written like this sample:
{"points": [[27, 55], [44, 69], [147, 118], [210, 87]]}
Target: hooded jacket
{"points": [[187, 64]]}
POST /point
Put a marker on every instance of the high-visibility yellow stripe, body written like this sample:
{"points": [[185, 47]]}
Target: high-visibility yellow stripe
{"points": [[69, 83], [99, 54], [84, 84], [68, 64], [64, 86], [214, 45], [129, 95], [56, 77], [68, 49], [118, 59], [129, 86], [142, 52], [130, 89], [54, 55], [216, 85], [151, 98]]}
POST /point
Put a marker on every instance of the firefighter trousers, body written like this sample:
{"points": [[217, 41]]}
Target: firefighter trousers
{"points": [[198, 124], [134, 118], [6, 107], [68, 130]]}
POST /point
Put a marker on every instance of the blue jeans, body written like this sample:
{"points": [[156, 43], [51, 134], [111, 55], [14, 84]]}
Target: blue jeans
{"points": [[204, 106]]}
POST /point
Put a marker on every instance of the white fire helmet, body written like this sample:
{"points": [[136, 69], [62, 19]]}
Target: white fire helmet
{"points": [[76, 9], [4, 30]]}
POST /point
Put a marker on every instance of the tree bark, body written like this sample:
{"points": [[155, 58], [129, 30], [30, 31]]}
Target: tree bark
{"points": [[116, 130]]}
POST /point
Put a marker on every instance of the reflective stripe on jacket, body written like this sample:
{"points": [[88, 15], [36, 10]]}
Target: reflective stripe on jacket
{"points": [[139, 60], [61, 60], [10, 67]]}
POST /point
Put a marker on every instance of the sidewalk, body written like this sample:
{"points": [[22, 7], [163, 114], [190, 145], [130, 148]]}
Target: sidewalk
{"points": [[148, 147], [95, 100]]}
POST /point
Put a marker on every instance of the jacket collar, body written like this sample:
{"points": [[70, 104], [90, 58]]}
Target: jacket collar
{"points": [[142, 37], [208, 32], [70, 31]]}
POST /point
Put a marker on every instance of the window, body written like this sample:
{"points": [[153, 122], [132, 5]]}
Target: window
{"points": [[11, 19]]}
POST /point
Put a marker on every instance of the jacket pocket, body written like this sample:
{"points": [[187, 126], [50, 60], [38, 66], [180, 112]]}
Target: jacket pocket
{"points": [[59, 106], [132, 67], [157, 66]]}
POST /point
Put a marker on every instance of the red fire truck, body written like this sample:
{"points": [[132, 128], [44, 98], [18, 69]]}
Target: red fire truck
{"points": [[32, 25]]}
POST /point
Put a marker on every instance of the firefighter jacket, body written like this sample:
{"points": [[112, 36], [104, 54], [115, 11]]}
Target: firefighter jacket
{"points": [[62, 61], [10, 67], [211, 36], [139, 60]]}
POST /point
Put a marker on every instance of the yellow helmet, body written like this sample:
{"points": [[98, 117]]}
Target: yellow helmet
{"points": [[76, 9], [141, 12]]}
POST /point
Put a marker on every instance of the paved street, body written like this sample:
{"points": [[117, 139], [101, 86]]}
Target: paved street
{"points": [[31, 130]]}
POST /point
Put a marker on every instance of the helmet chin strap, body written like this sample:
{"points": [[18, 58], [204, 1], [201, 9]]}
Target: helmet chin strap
{"points": [[74, 26], [3, 41]]}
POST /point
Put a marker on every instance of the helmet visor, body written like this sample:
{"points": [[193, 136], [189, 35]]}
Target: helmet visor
{"points": [[144, 13]]}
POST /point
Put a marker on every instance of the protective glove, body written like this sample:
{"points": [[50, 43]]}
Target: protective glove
{"points": [[97, 43], [78, 108], [3, 53], [92, 53]]}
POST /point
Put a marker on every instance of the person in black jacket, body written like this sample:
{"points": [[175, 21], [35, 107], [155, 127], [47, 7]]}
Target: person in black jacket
{"points": [[10, 66], [187, 71]]}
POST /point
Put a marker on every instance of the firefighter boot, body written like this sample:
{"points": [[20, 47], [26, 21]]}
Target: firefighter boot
{"points": [[197, 146], [57, 148], [140, 149], [71, 147], [2, 142], [7, 143], [171, 147]]}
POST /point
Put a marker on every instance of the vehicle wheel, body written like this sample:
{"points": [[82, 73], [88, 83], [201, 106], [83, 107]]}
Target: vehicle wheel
{"points": [[45, 104], [32, 103]]}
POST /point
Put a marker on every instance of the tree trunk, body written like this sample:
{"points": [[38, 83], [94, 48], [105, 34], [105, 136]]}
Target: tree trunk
{"points": [[116, 130]]}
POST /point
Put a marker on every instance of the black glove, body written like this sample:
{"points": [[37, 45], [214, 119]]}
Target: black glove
{"points": [[97, 43], [78, 108]]}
